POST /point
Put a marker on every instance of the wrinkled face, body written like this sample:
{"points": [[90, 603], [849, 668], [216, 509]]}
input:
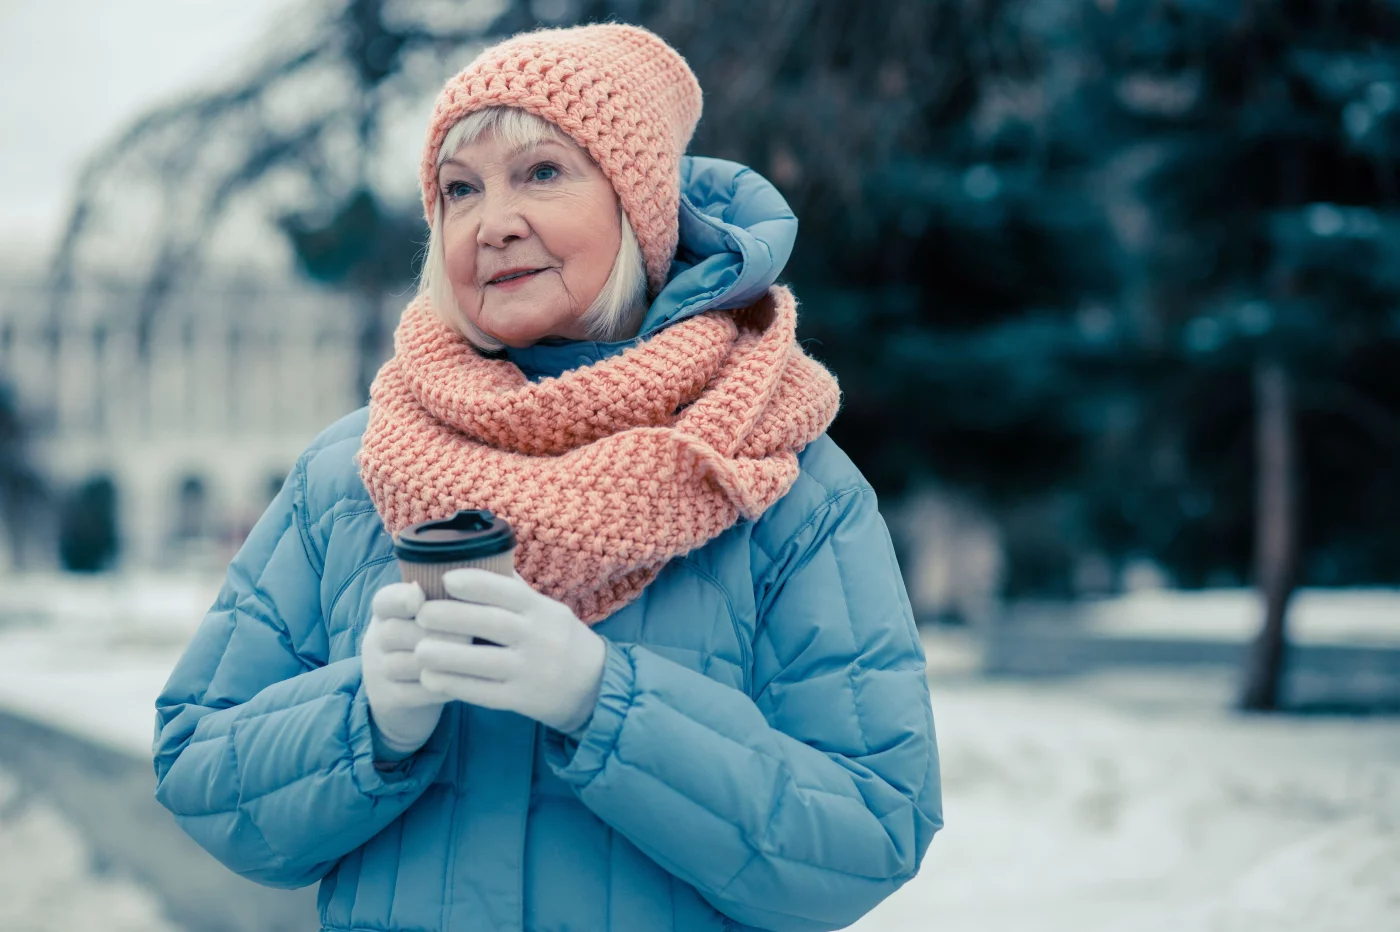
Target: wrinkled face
{"points": [[529, 237]]}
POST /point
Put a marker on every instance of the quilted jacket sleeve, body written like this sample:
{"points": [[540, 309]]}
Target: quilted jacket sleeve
{"points": [[262, 748], [805, 806]]}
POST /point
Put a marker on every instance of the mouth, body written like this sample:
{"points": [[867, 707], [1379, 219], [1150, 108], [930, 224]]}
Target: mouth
{"points": [[511, 276]]}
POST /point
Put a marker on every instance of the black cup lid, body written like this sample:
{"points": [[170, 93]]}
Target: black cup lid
{"points": [[470, 534]]}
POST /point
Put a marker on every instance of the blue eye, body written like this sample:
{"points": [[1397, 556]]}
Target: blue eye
{"points": [[544, 173], [456, 189]]}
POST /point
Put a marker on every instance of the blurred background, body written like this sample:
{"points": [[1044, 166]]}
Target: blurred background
{"points": [[1113, 291]]}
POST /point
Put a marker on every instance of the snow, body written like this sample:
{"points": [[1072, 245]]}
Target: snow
{"points": [[89, 655], [1352, 617], [1134, 803], [47, 881], [1131, 802]]}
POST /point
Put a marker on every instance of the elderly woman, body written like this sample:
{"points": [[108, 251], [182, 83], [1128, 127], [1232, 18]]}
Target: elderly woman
{"points": [[705, 704]]}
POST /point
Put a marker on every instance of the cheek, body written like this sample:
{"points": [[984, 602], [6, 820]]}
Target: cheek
{"points": [[459, 257], [588, 240]]}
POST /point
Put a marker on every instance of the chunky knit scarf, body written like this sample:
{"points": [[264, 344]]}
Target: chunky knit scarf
{"points": [[610, 470]]}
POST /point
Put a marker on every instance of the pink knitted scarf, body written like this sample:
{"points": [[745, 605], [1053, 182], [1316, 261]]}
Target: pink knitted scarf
{"points": [[610, 470]]}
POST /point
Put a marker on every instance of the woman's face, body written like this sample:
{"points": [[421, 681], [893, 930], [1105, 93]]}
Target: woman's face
{"points": [[548, 212]]}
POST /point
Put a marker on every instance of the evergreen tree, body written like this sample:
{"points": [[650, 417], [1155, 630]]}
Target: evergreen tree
{"points": [[88, 535], [1209, 364]]}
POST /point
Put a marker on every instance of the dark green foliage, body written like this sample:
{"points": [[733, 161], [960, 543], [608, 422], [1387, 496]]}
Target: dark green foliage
{"points": [[359, 242], [87, 532], [1054, 282]]}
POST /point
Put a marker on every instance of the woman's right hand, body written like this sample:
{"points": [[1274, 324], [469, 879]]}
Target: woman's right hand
{"points": [[403, 713]]}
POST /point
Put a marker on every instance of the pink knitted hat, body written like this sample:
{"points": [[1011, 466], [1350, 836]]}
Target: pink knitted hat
{"points": [[620, 92]]}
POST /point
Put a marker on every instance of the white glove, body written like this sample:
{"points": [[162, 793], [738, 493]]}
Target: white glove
{"points": [[549, 665], [402, 712]]}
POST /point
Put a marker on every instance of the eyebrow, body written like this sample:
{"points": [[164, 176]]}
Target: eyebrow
{"points": [[513, 153]]}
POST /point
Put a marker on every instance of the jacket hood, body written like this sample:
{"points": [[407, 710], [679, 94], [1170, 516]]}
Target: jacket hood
{"points": [[736, 234]]}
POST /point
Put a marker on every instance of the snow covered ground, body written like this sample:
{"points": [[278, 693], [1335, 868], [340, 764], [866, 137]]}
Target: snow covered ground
{"points": [[47, 881], [1134, 804], [90, 654], [1130, 802], [1351, 617]]}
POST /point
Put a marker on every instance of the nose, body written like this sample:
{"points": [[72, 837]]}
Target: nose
{"points": [[500, 219]]}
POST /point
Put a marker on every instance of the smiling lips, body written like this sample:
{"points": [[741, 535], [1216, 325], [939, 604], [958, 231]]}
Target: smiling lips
{"points": [[513, 275]]}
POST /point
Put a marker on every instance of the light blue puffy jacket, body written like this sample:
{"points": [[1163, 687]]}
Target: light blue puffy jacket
{"points": [[761, 756]]}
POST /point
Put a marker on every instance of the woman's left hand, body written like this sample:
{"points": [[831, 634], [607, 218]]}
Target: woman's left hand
{"points": [[548, 666]]}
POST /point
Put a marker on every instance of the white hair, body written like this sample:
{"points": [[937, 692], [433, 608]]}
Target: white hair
{"points": [[617, 311]]}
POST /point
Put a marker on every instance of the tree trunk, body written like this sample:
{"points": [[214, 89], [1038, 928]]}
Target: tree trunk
{"points": [[1275, 532]]}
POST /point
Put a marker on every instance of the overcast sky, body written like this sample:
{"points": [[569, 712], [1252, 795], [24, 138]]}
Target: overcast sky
{"points": [[75, 72]]}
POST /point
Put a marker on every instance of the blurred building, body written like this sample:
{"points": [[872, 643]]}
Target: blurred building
{"points": [[193, 433]]}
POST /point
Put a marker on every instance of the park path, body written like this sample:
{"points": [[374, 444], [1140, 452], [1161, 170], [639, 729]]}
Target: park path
{"points": [[106, 796]]}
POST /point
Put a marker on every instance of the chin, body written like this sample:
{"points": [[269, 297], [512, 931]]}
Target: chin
{"points": [[519, 334], [515, 337]]}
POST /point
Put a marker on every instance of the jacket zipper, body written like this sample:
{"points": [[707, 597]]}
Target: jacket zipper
{"points": [[453, 839], [536, 735], [745, 653]]}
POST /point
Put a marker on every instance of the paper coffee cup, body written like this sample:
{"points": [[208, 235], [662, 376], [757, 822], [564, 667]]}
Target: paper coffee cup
{"points": [[470, 538]]}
